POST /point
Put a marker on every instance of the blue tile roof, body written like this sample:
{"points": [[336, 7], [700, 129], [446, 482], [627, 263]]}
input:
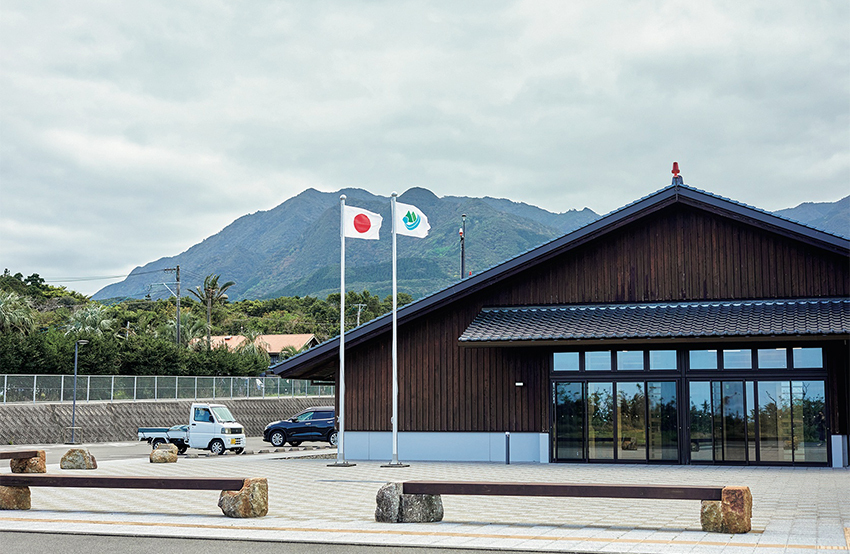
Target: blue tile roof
{"points": [[738, 318]]}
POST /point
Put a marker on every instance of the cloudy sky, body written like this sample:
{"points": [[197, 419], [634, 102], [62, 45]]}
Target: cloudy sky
{"points": [[130, 131]]}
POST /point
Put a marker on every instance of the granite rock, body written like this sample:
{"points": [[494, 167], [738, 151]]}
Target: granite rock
{"points": [[252, 500], [165, 454], [395, 507], [710, 516], [37, 464], [737, 509], [15, 498], [78, 458]]}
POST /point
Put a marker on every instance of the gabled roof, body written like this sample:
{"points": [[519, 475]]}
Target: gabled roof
{"points": [[530, 325], [300, 365]]}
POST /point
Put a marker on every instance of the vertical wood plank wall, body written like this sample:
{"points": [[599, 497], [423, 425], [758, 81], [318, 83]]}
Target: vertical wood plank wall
{"points": [[678, 254]]}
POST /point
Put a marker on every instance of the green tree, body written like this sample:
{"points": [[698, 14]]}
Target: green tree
{"points": [[16, 314], [92, 319], [211, 293]]}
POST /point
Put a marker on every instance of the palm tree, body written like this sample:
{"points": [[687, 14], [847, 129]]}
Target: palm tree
{"points": [[92, 319], [16, 313], [210, 293]]}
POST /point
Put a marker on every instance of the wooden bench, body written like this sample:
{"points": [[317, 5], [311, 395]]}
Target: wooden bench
{"points": [[19, 455], [255, 489], [723, 509]]}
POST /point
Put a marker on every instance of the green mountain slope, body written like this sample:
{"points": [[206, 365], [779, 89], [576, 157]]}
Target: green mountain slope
{"points": [[293, 249]]}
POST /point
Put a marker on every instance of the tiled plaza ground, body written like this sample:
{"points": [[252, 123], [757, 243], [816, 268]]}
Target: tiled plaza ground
{"points": [[794, 509]]}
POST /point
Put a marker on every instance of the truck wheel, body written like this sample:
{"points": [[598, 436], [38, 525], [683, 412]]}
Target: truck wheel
{"points": [[217, 447], [156, 442], [277, 438]]}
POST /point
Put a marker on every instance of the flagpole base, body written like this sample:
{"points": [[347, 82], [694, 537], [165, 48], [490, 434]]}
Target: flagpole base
{"points": [[341, 464], [395, 464]]}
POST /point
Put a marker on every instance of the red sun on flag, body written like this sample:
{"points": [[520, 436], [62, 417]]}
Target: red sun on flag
{"points": [[362, 223]]}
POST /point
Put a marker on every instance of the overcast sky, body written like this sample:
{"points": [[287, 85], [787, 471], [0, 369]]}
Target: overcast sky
{"points": [[130, 131]]}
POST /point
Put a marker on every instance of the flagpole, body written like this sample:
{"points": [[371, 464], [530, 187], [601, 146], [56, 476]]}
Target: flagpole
{"points": [[340, 451], [395, 462]]}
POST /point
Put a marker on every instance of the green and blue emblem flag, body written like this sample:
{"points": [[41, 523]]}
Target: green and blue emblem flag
{"points": [[358, 223], [411, 221]]}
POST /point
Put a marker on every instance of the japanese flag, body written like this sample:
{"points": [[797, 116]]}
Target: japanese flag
{"points": [[360, 224]]}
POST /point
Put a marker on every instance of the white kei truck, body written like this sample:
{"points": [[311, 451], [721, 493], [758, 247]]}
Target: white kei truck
{"points": [[211, 427]]}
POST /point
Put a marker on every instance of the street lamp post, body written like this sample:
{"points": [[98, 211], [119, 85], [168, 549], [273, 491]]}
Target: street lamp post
{"points": [[74, 404]]}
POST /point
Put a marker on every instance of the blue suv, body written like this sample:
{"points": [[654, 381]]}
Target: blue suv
{"points": [[312, 424]]}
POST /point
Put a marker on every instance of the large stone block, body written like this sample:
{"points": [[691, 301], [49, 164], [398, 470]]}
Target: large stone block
{"points": [[252, 500], [15, 498], [389, 503], [165, 454], [737, 509], [78, 458], [710, 516], [395, 507], [36, 464]]}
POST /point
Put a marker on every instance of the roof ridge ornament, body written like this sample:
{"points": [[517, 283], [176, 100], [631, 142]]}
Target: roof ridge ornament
{"points": [[677, 179]]}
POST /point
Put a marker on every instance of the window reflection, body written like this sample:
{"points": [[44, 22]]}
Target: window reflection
{"points": [[703, 359]]}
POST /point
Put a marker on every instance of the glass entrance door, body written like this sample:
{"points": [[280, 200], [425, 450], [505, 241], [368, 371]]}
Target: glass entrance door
{"points": [[627, 421]]}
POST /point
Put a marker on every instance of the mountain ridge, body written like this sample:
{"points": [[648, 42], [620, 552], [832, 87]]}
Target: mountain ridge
{"points": [[293, 248]]}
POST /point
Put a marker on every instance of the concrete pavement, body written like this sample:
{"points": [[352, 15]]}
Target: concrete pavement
{"points": [[794, 509]]}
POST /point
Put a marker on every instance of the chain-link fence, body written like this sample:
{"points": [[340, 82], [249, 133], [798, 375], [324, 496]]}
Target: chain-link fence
{"points": [[90, 388]]}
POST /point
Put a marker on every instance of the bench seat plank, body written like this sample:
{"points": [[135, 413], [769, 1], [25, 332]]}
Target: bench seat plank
{"points": [[119, 482], [670, 492], [20, 454]]}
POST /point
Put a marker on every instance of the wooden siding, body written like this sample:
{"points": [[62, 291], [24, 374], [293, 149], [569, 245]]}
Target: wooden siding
{"points": [[679, 253]]}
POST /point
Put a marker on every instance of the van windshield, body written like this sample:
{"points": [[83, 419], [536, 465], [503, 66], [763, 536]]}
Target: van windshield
{"points": [[223, 415]]}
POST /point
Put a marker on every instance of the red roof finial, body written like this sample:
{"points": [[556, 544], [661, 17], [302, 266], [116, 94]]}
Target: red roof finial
{"points": [[675, 169]]}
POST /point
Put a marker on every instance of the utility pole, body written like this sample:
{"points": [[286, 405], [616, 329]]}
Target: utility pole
{"points": [[463, 247]]}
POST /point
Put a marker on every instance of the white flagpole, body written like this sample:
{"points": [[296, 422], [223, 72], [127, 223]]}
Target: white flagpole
{"points": [[395, 462], [395, 339], [340, 452]]}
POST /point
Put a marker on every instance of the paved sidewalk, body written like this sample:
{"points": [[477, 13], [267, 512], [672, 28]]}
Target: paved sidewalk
{"points": [[794, 509]]}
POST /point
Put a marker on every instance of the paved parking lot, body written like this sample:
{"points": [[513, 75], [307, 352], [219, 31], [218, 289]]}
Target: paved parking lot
{"points": [[794, 509]]}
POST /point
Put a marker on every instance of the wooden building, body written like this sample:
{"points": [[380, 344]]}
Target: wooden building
{"points": [[681, 328]]}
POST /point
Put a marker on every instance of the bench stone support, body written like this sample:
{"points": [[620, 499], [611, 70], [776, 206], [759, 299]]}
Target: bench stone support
{"points": [[35, 464], [251, 501], [396, 507], [15, 498], [732, 514]]}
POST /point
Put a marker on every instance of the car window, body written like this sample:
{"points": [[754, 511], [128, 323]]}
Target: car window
{"points": [[323, 415], [306, 416], [203, 414]]}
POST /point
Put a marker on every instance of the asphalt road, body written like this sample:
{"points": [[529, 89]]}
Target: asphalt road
{"points": [[86, 544], [122, 450]]}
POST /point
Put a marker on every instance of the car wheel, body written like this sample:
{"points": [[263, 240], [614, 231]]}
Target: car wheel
{"points": [[217, 447], [238, 450], [277, 438], [295, 443], [333, 438], [156, 442]]}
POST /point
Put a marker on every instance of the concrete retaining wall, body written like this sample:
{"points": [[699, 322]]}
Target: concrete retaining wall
{"points": [[119, 421]]}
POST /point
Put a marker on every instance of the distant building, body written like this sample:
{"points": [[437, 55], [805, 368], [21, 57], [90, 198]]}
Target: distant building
{"points": [[273, 344], [683, 328]]}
